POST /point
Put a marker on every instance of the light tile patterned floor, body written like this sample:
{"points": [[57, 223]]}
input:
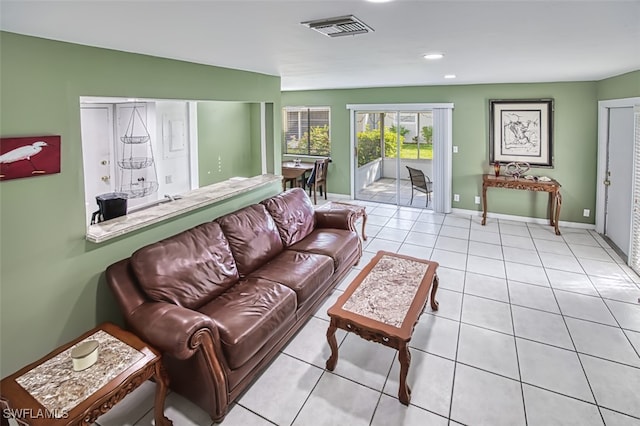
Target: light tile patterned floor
{"points": [[533, 329], [384, 191]]}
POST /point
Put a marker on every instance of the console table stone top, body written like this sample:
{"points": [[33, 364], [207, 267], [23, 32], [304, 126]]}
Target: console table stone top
{"points": [[59, 388], [387, 292]]}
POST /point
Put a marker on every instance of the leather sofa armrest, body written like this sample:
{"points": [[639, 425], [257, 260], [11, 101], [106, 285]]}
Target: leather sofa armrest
{"points": [[171, 328], [335, 218]]}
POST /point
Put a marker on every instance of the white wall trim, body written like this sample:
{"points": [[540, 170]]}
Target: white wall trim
{"points": [[525, 219], [603, 134], [263, 136], [395, 107], [352, 154], [194, 177]]}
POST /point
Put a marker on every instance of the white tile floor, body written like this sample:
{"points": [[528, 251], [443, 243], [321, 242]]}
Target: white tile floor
{"points": [[384, 191], [533, 329]]}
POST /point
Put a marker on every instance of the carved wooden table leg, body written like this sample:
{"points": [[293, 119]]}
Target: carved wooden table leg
{"points": [[364, 222], [552, 202], [404, 393], [434, 288], [162, 383], [557, 203], [484, 205], [333, 344]]}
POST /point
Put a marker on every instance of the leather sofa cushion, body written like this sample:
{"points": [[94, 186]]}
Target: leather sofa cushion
{"points": [[248, 315], [304, 273], [293, 214], [339, 244], [188, 269], [253, 237]]}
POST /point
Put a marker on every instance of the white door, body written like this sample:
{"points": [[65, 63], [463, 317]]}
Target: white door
{"points": [[97, 136], [620, 175]]}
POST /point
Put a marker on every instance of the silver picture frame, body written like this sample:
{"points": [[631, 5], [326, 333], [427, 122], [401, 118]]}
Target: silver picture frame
{"points": [[521, 130]]}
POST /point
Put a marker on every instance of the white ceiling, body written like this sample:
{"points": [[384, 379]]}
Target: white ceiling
{"points": [[483, 41]]}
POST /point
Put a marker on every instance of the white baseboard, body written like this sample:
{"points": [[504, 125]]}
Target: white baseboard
{"points": [[525, 219], [339, 196]]}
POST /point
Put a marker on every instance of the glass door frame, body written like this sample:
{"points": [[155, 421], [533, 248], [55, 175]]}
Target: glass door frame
{"points": [[442, 146]]}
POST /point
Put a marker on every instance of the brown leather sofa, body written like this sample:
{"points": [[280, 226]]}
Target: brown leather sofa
{"points": [[221, 299]]}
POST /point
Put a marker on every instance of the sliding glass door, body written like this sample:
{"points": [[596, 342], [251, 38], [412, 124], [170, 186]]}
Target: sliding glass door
{"points": [[402, 154], [394, 157]]}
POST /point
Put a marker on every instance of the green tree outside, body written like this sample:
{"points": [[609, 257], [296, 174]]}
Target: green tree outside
{"points": [[369, 145], [427, 134], [319, 143]]}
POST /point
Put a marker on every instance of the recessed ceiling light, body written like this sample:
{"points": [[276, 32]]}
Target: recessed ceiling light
{"points": [[379, 1], [450, 76], [434, 55]]}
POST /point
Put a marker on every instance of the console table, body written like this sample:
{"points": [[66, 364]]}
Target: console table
{"points": [[552, 187], [50, 392]]}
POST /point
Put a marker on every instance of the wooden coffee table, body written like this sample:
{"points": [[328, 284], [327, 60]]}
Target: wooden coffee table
{"points": [[383, 305], [50, 392]]}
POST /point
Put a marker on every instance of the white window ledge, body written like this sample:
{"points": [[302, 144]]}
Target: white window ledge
{"points": [[191, 200]]}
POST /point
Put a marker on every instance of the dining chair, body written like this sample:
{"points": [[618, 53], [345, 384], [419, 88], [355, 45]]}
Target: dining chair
{"points": [[420, 182], [318, 179]]}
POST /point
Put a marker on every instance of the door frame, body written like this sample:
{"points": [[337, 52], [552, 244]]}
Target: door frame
{"points": [[603, 136], [442, 146]]}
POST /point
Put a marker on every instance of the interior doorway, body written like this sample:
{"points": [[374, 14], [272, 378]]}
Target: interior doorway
{"points": [[616, 174], [618, 185]]}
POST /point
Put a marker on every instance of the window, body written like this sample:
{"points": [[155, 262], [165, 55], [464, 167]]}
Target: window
{"points": [[306, 131]]}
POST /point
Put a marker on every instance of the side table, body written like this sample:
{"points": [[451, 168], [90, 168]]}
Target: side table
{"points": [[359, 212], [50, 392]]}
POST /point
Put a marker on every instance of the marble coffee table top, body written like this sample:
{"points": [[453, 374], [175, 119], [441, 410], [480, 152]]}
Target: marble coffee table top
{"points": [[387, 292]]}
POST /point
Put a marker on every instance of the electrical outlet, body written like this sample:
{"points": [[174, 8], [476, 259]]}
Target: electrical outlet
{"points": [[168, 179], [477, 199], [456, 197], [586, 212]]}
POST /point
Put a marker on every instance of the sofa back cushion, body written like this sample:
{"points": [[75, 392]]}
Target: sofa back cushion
{"points": [[188, 269], [253, 237], [293, 214]]}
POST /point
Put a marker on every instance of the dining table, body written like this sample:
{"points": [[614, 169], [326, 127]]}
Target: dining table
{"points": [[292, 171]]}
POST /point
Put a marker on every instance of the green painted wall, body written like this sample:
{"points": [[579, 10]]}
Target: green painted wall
{"points": [[619, 87], [575, 139], [225, 146], [52, 285]]}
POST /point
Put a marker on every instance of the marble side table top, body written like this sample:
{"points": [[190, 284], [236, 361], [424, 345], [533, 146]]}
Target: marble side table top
{"points": [[59, 388]]}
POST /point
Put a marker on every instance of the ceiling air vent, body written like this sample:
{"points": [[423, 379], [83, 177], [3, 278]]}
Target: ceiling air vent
{"points": [[340, 26]]}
